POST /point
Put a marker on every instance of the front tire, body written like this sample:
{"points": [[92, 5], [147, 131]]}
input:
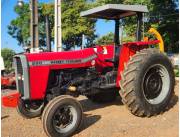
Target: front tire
{"points": [[30, 109], [147, 83], [62, 116]]}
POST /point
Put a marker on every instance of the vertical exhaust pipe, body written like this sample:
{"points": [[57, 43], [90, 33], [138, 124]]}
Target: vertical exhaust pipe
{"points": [[139, 27], [116, 36], [48, 41]]}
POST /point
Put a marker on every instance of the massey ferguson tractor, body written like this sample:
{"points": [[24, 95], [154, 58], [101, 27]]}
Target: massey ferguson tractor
{"points": [[48, 82]]}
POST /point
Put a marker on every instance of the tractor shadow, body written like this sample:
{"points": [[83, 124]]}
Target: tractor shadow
{"points": [[88, 120], [88, 105]]}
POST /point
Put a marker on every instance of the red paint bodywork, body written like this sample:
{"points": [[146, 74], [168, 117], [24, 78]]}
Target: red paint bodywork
{"points": [[38, 75], [10, 100], [8, 81], [129, 49]]}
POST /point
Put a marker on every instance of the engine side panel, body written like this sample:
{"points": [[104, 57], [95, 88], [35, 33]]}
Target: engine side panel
{"points": [[38, 81], [41, 64]]}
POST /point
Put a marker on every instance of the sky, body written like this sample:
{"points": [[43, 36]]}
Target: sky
{"points": [[8, 14]]}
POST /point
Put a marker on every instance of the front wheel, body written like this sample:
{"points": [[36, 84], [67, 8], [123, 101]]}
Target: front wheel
{"points": [[62, 116], [29, 109], [147, 83]]}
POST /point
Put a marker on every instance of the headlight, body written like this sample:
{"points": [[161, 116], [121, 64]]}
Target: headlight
{"points": [[20, 77]]}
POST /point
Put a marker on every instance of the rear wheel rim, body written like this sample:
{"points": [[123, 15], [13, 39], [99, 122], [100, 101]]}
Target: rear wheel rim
{"points": [[156, 84], [64, 118]]}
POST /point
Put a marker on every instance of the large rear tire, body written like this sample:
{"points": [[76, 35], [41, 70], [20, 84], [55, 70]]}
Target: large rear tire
{"points": [[108, 95], [147, 83], [62, 116]]}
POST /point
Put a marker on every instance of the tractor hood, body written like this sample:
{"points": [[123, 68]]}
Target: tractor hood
{"points": [[33, 69], [84, 56], [66, 55]]}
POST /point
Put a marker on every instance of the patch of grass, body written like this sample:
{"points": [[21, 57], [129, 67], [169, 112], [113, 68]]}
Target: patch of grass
{"points": [[176, 71]]}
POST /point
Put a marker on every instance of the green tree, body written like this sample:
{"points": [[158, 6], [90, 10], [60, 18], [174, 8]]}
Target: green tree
{"points": [[19, 28], [105, 39], [167, 16], [73, 26], [7, 55], [163, 15], [109, 39], [46, 10]]}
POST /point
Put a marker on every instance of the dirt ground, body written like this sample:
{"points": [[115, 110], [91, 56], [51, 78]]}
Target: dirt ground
{"points": [[105, 120]]}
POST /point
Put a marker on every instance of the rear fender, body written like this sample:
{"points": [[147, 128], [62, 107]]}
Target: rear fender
{"points": [[128, 50]]}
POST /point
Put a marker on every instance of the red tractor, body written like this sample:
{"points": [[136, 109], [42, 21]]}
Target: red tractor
{"points": [[8, 81], [48, 82]]}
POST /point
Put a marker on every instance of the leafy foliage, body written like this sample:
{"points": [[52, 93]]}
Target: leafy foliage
{"points": [[19, 27], [168, 23], [106, 39], [109, 39], [73, 26], [7, 55], [163, 15], [176, 71]]}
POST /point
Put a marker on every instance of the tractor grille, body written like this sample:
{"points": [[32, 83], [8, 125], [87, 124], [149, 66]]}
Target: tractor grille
{"points": [[19, 75], [19, 66]]}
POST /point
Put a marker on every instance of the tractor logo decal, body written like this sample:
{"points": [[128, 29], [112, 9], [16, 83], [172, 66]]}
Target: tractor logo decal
{"points": [[60, 62]]}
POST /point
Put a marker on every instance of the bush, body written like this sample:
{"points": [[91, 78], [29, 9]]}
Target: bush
{"points": [[176, 71], [7, 55]]}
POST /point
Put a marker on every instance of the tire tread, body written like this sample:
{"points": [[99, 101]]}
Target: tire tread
{"points": [[127, 91]]}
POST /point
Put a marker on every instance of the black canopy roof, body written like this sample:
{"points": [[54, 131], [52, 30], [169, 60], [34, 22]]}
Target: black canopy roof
{"points": [[114, 11]]}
